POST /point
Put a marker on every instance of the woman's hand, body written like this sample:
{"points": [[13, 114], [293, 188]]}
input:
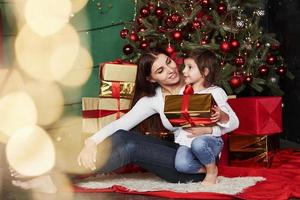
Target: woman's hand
{"points": [[87, 156], [218, 115], [197, 131]]}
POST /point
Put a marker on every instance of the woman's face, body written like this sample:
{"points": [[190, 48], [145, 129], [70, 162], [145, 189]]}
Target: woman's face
{"points": [[164, 71]]}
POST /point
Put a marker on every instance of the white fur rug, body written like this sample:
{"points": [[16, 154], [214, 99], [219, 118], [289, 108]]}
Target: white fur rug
{"points": [[145, 182]]}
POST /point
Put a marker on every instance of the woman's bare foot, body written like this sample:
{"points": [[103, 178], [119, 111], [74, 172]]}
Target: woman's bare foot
{"points": [[42, 184], [211, 175]]}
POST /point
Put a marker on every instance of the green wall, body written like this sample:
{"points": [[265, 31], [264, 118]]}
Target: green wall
{"points": [[98, 25]]}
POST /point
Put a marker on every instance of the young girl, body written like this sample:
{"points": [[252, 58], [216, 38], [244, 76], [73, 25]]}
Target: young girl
{"points": [[201, 146]]}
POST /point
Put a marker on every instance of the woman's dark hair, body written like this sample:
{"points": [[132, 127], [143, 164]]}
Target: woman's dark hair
{"points": [[206, 59], [144, 87]]}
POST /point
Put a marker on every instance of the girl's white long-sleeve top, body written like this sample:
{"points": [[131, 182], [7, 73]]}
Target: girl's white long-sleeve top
{"points": [[148, 106]]}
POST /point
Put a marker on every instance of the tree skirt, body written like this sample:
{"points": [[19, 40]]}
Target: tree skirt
{"points": [[281, 181]]}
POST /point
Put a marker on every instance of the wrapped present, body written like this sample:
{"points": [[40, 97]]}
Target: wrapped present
{"points": [[252, 150], [98, 112], [116, 89], [258, 115], [115, 71], [189, 110]]}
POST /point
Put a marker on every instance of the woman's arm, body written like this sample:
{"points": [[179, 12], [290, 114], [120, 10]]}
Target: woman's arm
{"points": [[141, 110]]}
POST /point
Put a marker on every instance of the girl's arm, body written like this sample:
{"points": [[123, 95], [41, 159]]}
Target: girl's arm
{"points": [[233, 122]]}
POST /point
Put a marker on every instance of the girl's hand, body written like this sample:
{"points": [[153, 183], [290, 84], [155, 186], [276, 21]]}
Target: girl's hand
{"points": [[219, 116], [216, 115], [87, 156], [197, 131]]}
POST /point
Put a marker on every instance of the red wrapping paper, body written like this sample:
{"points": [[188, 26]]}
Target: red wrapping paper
{"points": [[258, 115]]}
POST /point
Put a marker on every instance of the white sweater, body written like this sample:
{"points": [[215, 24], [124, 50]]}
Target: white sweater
{"points": [[148, 106]]}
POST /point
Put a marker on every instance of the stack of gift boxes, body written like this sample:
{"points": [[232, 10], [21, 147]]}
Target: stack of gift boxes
{"points": [[256, 140], [117, 83]]}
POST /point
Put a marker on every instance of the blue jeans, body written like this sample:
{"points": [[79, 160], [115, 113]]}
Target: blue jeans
{"points": [[152, 154], [204, 150]]}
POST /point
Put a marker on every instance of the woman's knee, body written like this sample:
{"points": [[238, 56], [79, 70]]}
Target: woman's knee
{"points": [[181, 165]]}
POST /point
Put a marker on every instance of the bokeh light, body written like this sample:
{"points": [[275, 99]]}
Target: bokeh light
{"points": [[30, 151], [48, 99], [81, 70], [17, 110], [47, 58], [10, 81], [77, 5], [46, 17], [63, 185], [69, 139]]}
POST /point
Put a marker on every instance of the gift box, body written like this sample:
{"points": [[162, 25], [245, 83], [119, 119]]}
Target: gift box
{"points": [[258, 115], [98, 112], [189, 110], [116, 89], [252, 150], [115, 71]]}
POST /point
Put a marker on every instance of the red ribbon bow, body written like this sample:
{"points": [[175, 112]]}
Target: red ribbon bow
{"points": [[188, 90]]}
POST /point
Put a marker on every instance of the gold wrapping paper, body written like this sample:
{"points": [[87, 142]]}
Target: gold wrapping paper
{"points": [[126, 89], [248, 148], [92, 125], [200, 106], [118, 72]]}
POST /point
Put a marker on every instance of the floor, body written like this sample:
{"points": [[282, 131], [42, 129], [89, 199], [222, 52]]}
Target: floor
{"points": [[10, 192]]}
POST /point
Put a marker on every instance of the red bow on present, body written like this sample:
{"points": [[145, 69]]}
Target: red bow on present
{"points": [[188, 90]]}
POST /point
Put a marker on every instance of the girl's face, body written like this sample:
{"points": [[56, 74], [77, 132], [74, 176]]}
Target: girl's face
{"points": [[192, 73], [164, 71]]}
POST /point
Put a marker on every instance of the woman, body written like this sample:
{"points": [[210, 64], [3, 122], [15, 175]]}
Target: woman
{"points": [[157, 76]]}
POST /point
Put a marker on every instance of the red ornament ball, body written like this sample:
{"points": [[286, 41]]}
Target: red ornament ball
{"points": [[281, 70], [258, 44], [144, 44], [170, 49], [127, 49], [204, 41], [142, 29], [161, 29], [248, 79], [177, 35], [239, 61], [225, 46], [222, 62], [235, 44], [159, 12], [235, 81], [221, 8], [139, 20], [271, 59], [204, 3], [145, 11], [196, 24], [151, 6], [263, 70], [133, 37], [176, 18], [169, 22], [274, 47], [124, 33]]}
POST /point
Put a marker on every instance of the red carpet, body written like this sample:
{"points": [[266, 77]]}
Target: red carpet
{"points": [[282, 181]]}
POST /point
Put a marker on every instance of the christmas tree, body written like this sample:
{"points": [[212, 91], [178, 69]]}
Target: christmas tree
{"points": [[250, 59]]}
